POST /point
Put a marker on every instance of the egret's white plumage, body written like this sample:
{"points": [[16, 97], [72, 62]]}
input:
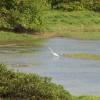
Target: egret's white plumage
{"points": [[54, 53]]}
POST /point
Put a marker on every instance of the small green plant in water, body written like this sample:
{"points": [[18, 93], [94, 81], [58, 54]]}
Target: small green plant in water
{"points": [[83, 56]]}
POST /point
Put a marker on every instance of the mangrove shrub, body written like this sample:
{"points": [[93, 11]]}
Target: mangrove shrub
{"points": [[71, 5], [29, 87], [21, 15]]}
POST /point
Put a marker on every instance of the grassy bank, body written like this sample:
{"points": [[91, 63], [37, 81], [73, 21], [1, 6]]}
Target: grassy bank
{"points": [[76, 24], [83, 56], [21, 86], [86, 98], [21, 39]]}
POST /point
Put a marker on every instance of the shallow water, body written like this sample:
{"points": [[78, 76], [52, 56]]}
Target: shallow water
{"points": [[79, 76]]}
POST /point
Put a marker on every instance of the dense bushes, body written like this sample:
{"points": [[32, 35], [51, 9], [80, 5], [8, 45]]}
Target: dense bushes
{"points": [[29, 86], [27, 15], [21, 86], [96, 6], [71, 5], [21, 15]]}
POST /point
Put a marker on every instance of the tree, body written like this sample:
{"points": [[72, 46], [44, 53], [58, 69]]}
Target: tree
{"points": [[22, 15]]}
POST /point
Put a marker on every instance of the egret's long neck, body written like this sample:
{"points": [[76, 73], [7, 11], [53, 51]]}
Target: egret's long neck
{"points": [[51, 50]]}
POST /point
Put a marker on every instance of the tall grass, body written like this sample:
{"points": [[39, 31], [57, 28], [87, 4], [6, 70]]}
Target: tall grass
{"points": [[76, 24]]}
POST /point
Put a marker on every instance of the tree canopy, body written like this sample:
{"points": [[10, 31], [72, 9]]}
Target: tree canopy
{"points": [[21, 15]]}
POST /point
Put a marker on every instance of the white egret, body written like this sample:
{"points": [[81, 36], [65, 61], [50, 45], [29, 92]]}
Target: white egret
{"points": [[54, 53]]}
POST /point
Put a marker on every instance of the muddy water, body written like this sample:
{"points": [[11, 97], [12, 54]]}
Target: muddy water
{"points": [[79, 76]]}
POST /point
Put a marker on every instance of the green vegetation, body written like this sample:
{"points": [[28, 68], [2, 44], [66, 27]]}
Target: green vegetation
{"points": [[72, 5], [21, 86], [24, 39], [83, 56], [29, 16], [76, 24], [79, 19], [29, 87], [21, 15], [86, 98]]}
